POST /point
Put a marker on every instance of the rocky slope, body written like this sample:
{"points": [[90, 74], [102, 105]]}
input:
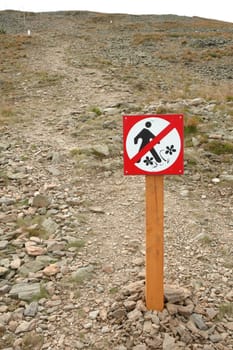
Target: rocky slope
{"points": [[72, 244]]}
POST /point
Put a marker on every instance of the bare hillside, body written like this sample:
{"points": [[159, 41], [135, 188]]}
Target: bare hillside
{"points": [[72, 230]]}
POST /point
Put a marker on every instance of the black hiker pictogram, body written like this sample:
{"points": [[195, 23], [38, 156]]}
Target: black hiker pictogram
{"points": [[146, 136]]}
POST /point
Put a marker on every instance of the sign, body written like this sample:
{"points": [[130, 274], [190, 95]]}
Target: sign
{"points": [[153, 144]]}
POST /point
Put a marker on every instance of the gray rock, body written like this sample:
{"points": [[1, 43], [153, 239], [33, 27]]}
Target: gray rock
{"points": [[101, 150], [7, 200], [54, 171], [25, 291], [78, 345], [215, 338], [134, 315], [226, 177], [50, 226], [83, 273], [24, 326], [140, 347], [174, 294], [3, 271], [93, 314], [31, 309], [198, 321], [3, 244], [28, 267], [169, 342]]}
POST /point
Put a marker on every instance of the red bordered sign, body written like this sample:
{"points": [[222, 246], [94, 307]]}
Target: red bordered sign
{"points": [[153, 144]]}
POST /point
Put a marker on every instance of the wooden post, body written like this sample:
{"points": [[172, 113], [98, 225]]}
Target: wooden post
{"points": [[154, 242]]}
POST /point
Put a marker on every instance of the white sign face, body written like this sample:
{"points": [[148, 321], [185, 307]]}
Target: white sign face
{"points": [[160, 156]]}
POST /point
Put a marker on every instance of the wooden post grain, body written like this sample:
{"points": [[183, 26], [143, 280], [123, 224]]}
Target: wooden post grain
{"points": [[154, 242]]}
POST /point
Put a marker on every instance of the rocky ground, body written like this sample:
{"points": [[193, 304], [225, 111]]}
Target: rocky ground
{"points": [[72, 236]]}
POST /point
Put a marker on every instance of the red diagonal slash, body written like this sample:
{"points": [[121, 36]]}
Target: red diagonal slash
{"points": [[152, 143]]}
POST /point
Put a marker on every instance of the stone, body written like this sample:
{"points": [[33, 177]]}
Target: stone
{"points": [[97, 210], [168, 342], [140, 347], [174, 294], [147, 326], [119, 314], [79, 345], [185, 310], [134, 315], [105, 329], [211, 313], [93, 314], [82, 273], [40, 201], [3, 244], [25, 291], [50, 226], [34, 250], [129, 305], [24, 326], [198, 321], [133, 288], [53, 170], [229, 325], [31, 309], [51, 270], [172, 308], [141, 306], [101, 150], [15, 264], [28, 267], [215, 338], [226, 177], [215, 180], [3, 271]]}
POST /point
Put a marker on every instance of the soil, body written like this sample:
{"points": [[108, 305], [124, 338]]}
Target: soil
{"points": [[65, 88]]}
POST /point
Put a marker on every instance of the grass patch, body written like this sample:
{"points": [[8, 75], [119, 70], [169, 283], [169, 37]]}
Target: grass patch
{"points": [[4, 180], [33, 226], [190, 125], [2, 30], [96, 110], [219, 147], [229, 98], [32, 341], [113, 290], [147, 39], [7, 115], [80, 243], [44, 78], [225, 309], [206, 240]]}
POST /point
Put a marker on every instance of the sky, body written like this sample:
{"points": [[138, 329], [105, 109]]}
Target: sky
{"points": [[213, 9]]}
